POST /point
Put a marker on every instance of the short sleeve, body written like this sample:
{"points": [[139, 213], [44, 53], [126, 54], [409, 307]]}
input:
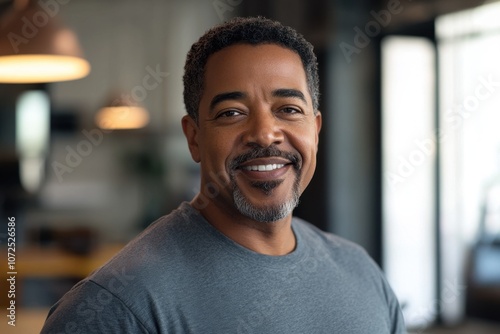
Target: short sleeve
{"points": [[90, 308]]}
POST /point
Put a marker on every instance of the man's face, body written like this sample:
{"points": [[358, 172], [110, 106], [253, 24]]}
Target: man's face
{"points": [[257, 133]]}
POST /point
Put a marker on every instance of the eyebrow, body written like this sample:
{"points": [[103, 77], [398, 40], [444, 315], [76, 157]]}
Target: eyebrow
{"points": [[226, 96], [288, 92], [236, 95]]}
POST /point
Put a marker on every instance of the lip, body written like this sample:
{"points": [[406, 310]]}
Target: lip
{"points": [[265, 175], [265, 161]]}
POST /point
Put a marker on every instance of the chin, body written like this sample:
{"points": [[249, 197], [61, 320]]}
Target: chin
{"points": [[266, 213]]}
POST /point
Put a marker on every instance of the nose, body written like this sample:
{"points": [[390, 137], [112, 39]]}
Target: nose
{"points": [[263, 129]]}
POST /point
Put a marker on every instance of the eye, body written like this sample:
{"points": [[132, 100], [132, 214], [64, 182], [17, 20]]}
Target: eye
{"points": [[229, 113], [290, 110]]}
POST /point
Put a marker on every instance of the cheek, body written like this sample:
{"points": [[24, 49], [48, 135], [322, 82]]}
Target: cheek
{"points": [[216, 152], [306, 145], [309, 168], [310, 162]]}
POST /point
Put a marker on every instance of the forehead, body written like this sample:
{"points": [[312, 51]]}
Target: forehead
{"points": [[242, 66]]}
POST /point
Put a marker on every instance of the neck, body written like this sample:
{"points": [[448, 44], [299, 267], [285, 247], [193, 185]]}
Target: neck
{"points": [[272, 238]]}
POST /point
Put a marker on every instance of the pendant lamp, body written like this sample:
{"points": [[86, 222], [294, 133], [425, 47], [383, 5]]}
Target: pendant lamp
{"points": [[35, 47], [122, 114]]}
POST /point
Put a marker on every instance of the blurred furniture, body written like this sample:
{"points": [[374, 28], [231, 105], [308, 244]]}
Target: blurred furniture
{"points": [[30, 322], [53, 263], [483, 281]]}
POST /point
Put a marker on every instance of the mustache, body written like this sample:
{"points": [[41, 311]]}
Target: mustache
{"points": [[267, 152]]}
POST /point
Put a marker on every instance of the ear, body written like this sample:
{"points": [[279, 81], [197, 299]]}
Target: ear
{"points": [[319, 121], [191, 131]]}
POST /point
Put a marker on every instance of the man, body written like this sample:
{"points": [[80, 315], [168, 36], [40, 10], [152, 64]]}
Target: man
{"points": [[234, 260]]}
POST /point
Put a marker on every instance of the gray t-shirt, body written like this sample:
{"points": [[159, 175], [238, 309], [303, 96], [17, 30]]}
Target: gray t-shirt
{"points": [[181, 275]]}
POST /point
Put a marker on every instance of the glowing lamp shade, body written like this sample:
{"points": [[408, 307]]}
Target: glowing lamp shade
{"points": [[41, 68], [36, 48], [122, 117]]}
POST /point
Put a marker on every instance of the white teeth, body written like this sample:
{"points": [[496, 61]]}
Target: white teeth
{"points": [[263, 168]]}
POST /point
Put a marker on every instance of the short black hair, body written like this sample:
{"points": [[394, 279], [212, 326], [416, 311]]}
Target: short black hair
{"points": [[249, 30]]}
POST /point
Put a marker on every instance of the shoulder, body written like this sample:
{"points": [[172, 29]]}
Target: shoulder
{"points": [[164, 235], [353, 261], [161, 247], [168, 226], [150, 265], [345, 256], [312, 235], [91, 308]]}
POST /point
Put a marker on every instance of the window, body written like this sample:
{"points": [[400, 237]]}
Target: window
{"points": [[408, 113]]}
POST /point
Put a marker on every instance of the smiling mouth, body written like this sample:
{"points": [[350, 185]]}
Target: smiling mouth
{"points": [[263, 168], [265, 163]]}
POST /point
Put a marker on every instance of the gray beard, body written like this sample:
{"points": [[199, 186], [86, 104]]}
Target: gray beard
{"points": [[265, 214]]}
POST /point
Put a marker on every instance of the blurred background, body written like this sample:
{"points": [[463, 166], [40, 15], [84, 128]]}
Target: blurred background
{"points": [[408, 165]]}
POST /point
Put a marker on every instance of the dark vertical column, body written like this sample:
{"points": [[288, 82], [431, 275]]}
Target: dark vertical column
{"points": [[354, 129], [437, 237]]}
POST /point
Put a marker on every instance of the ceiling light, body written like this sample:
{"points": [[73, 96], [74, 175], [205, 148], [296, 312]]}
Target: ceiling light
{"points": [[36, 48], [121, 114]]}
